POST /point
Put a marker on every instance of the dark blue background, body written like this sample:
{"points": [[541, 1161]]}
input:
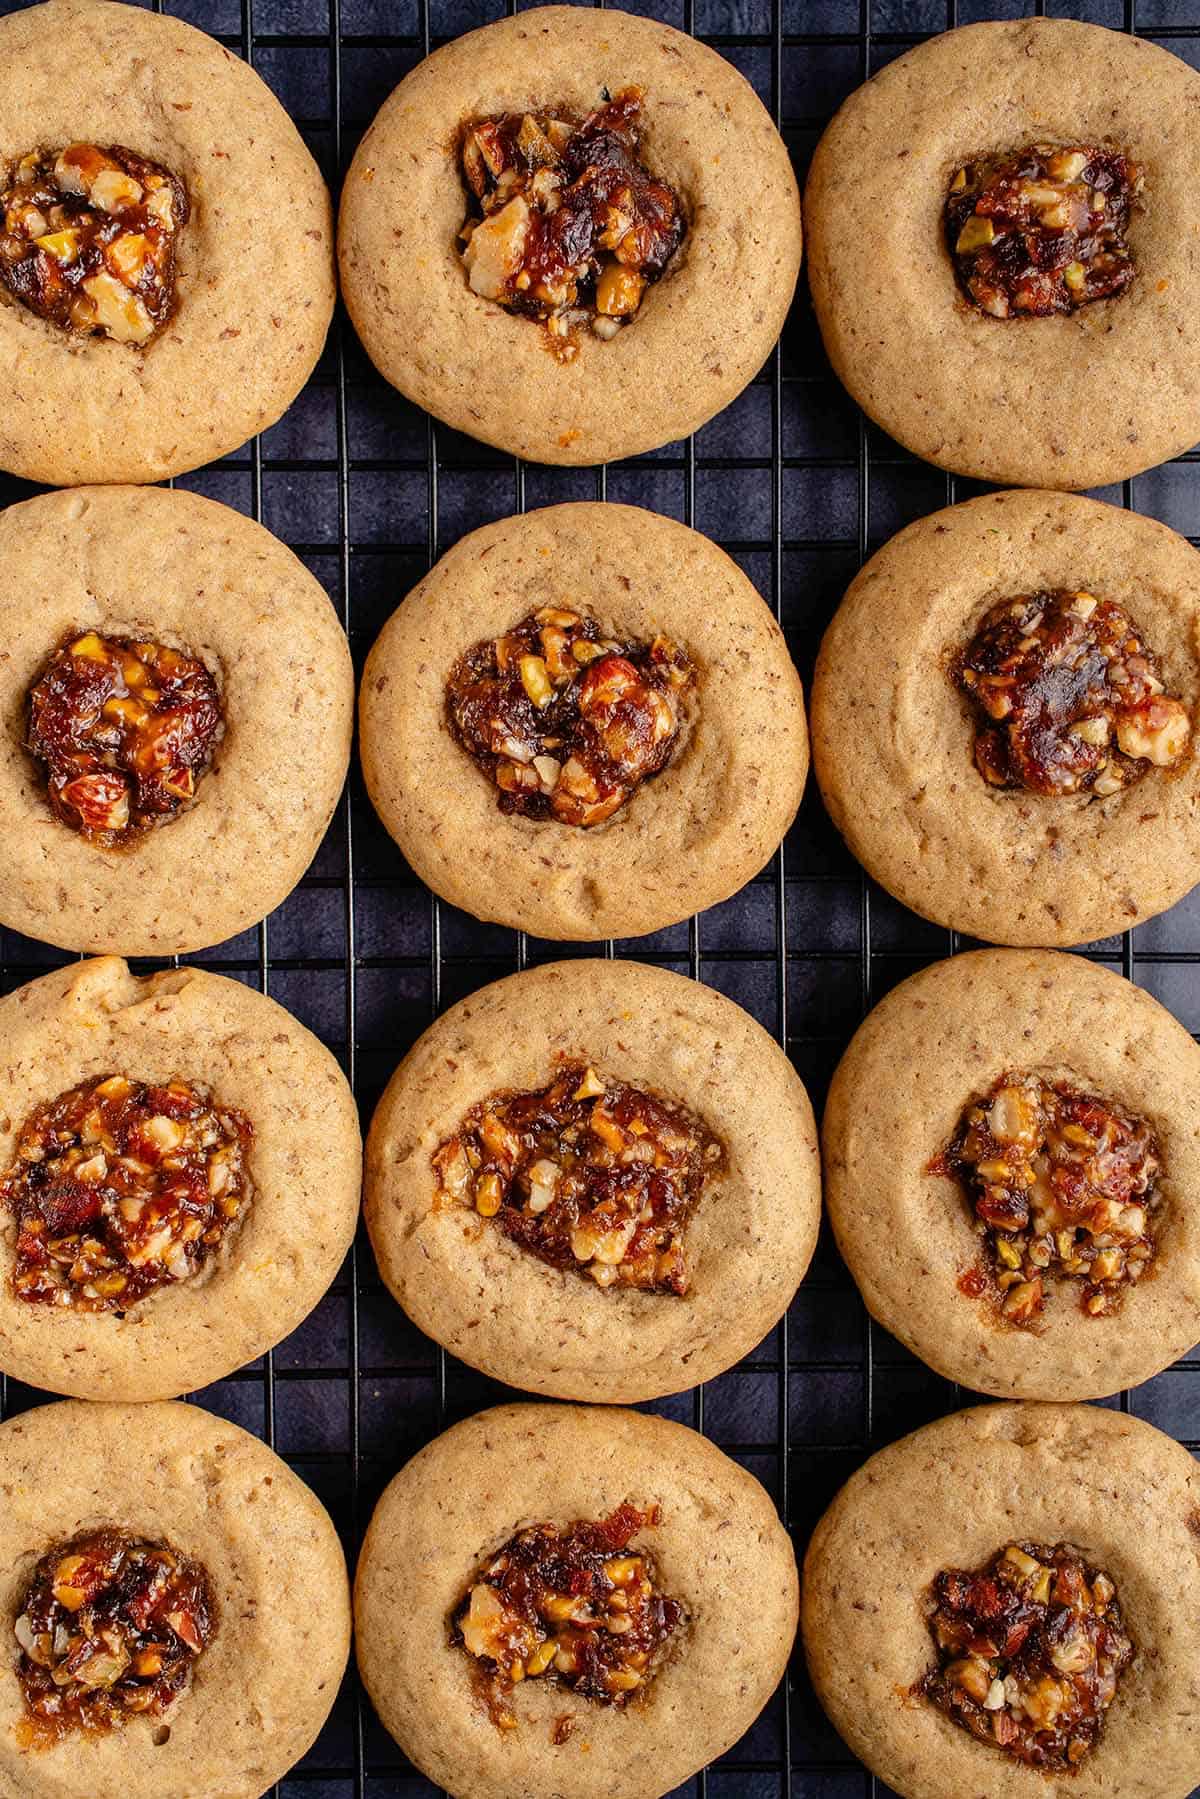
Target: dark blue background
{"points": [[795, 484]]}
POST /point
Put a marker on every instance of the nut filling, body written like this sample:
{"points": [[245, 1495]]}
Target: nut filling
{"points": [[1042, 230], [1062, 1185], [570, 227], [110, 1628], [89, 240], [588, 1175], [1030, 1651], [124, 730], [1071, 698], [566, 722], [572, 1606], [119, 1188]]}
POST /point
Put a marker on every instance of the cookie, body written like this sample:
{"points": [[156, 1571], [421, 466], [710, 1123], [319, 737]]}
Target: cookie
{"points": [[560, 740], [199, 1627], [633, 235], [596, 1180], [176, 696], [629, 1504], [999, 228], [1078, 1527], [1011, 1145], [179, 1179], [167, 273], [1002, 718]]}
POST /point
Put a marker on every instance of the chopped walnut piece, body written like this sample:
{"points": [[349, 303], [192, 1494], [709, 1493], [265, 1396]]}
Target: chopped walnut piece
{"points": [[119, 1188], [574, 1606], [567, 225], [1030, 1650], [110, 1628], [89, 239], [589, 1175], [125, 730], [1042, 230], [566, 722], [1063, 1186], [1070, 697]]}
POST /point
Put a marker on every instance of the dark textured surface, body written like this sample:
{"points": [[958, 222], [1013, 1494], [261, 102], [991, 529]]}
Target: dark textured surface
{"points": [[798, 488]]}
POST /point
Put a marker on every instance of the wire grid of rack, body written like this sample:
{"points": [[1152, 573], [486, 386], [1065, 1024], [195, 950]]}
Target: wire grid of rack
{"points": [[799, 488]]}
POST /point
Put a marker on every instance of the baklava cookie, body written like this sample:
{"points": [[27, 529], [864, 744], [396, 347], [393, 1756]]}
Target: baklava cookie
{"points": [[179, 1179], [175, 1603], [1007, 1602], [1000, 228], [572, 236], [559, 1599], [176, 706], [1003, 718], [166, 246], [584, 723], [1012, 1158], [595, 1180]]}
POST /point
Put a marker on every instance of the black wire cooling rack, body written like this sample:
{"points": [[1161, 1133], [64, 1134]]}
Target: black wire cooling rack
{"points": [[799, 488]]}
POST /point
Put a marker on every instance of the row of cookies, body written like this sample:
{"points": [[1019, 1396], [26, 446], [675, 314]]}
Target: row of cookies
{"points": [[598, 271], [996, 225], [600, 1180], [588, 1601], [1002, 714]]}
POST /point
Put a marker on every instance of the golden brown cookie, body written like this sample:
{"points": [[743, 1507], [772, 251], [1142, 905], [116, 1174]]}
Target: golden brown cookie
{"points": [[525, 1251], [1075, 399], [251, 1628], [699, 744], [700, 333], [224, 767], [174, 1224], [1088, 1095], [249, 232], [1119, 1494], [1031, 824], [704, 1535]]}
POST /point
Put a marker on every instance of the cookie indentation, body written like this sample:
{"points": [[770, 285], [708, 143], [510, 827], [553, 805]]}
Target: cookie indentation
{"points": [[590, 1175], [575, 1606], [567, 224], [1031, 1648], [1063, 1185], [110, 1629], [119, 1187], [1042, 230], [125, 730], [566, 721], [89, 239], [1071, 697]]}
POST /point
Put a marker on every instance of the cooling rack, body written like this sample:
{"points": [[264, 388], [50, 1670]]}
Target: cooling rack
{"points": [[799, 488]]}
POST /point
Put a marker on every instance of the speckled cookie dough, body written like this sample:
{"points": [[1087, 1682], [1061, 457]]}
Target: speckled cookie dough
{"points": [[137, 563], [554, 1329], [277, 1254], [895, 732], [700, 333], [954, 1495], [690, 835], [909, 1229], [716, 1540], [267, 1677], [1080, 399], [254, 264]]}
